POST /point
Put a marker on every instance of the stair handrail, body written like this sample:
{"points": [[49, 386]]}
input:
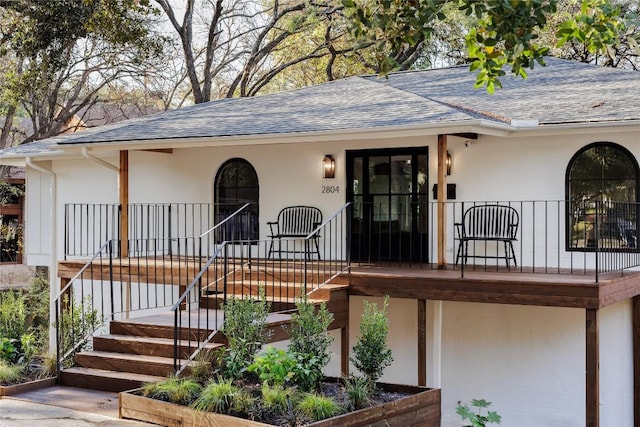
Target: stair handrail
{"points": [[224, 221], [60, 358], [316, 232], [176, 310], [328, 220]]}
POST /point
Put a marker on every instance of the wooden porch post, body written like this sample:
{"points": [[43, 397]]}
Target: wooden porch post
{"points": [[344, 351], [592, 383], [636, 359], [442, 207], [123, 179], [422, 342]]}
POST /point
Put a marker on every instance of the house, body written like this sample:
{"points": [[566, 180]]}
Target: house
{"points": [[536, 310]]}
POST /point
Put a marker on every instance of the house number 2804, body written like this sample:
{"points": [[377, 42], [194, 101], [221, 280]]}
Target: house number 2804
{"points": [[329, 189]]}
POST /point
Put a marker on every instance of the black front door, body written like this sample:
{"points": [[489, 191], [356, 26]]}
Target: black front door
{"points": [[388, 189]]}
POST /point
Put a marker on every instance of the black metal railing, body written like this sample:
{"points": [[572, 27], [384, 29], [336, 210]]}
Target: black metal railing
{"points": [[111, 287], [88, 226], [250, 268], [551, 236]]}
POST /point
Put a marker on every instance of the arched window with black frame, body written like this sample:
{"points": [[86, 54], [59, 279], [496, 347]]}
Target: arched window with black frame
{"points": [[603, 194], [236, 183]]}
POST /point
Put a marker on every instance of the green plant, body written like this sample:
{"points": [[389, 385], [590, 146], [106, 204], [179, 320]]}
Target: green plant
{"points": [[371, 353], [12, 314], [244, 326], [218, 396], [202, 369], [476, 418], [278, 400], [10, 373], [310, 342], [8, 351], [173, 389], [358, 390], [37, 310], [316, 407], [274, 366], [75, 326]]}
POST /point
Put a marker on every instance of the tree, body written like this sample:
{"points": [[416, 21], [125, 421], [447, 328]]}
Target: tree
{"points": [[58, 55], [242, 47], [505, 32]]}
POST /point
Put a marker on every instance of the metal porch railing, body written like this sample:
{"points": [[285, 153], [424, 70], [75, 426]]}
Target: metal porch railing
{"points": [[243, 268]]}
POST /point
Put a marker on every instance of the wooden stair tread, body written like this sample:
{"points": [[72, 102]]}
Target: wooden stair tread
{"points": [[128, 356], [274, 298], [150, 340], [103, 373]]}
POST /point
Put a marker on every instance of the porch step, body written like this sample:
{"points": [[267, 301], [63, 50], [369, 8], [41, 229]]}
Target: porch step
{"points": [[155, 331], [105, 380], [123, 362], [150, 346]]}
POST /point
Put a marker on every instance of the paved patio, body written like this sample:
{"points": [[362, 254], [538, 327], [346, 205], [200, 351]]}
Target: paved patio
{"points": [[60, 406]]}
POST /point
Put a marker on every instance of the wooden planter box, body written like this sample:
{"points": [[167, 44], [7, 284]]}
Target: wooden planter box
{"points": [[422, 408], [11, 390]]}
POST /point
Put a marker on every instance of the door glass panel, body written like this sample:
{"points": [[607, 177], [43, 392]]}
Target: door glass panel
{"points": [[358, 174], [379, 170], [400, 174], [390, 212]]}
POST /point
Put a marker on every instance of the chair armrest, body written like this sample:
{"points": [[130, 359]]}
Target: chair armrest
{"points": [[314, 226], [459, 230], [274, 231]]}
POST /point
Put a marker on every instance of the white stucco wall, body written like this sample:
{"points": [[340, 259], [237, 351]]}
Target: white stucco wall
{"points": [[528, 361], [616, 365], [37, 218], [490, 168]]}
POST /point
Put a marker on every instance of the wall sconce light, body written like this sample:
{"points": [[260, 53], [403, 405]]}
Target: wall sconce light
{"points": [[328, 167], [448, 164]]}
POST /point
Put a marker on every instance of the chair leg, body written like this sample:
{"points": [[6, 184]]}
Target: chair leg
{"points": [[513, 252], [466, 252], [507, 255], [270, 249], [315, 240], [459, 252]]}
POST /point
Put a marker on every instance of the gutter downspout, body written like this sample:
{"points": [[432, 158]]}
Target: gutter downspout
{"points": [[86, 155], [53, 263]]}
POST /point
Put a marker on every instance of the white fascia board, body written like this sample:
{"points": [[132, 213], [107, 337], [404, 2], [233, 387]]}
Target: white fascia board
{"points": [[579, 128], [476, 126]]}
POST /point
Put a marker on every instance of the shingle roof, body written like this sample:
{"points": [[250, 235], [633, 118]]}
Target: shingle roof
{"points": [[562, 92]]}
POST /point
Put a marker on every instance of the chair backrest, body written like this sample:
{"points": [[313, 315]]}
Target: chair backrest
{"points": [[491, 222], [299, 220]]}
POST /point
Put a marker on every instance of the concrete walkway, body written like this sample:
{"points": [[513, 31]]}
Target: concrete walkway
{"points": [[60, 406]]}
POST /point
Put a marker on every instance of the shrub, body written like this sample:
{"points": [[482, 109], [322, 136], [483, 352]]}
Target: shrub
{"points": [[173, 389], [244, 326], [358, 390], [316, 407], [371, 354], [310, 341], [202, 369], [476, 418], [218, 396], [13, 316], [8, 351], [75, 326], [278, 400], [37, 310], [274, 366], [10, 374]]}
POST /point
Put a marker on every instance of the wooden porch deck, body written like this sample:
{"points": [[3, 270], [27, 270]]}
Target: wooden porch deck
{"points": [[563, 288]]}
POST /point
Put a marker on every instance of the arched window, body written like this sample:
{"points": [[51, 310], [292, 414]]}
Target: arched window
{"points": [[603, 193], [236, 183]]}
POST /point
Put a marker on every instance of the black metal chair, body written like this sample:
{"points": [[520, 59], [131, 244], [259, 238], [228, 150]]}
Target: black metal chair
{"points": [[296, 222], [494, 223]]}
